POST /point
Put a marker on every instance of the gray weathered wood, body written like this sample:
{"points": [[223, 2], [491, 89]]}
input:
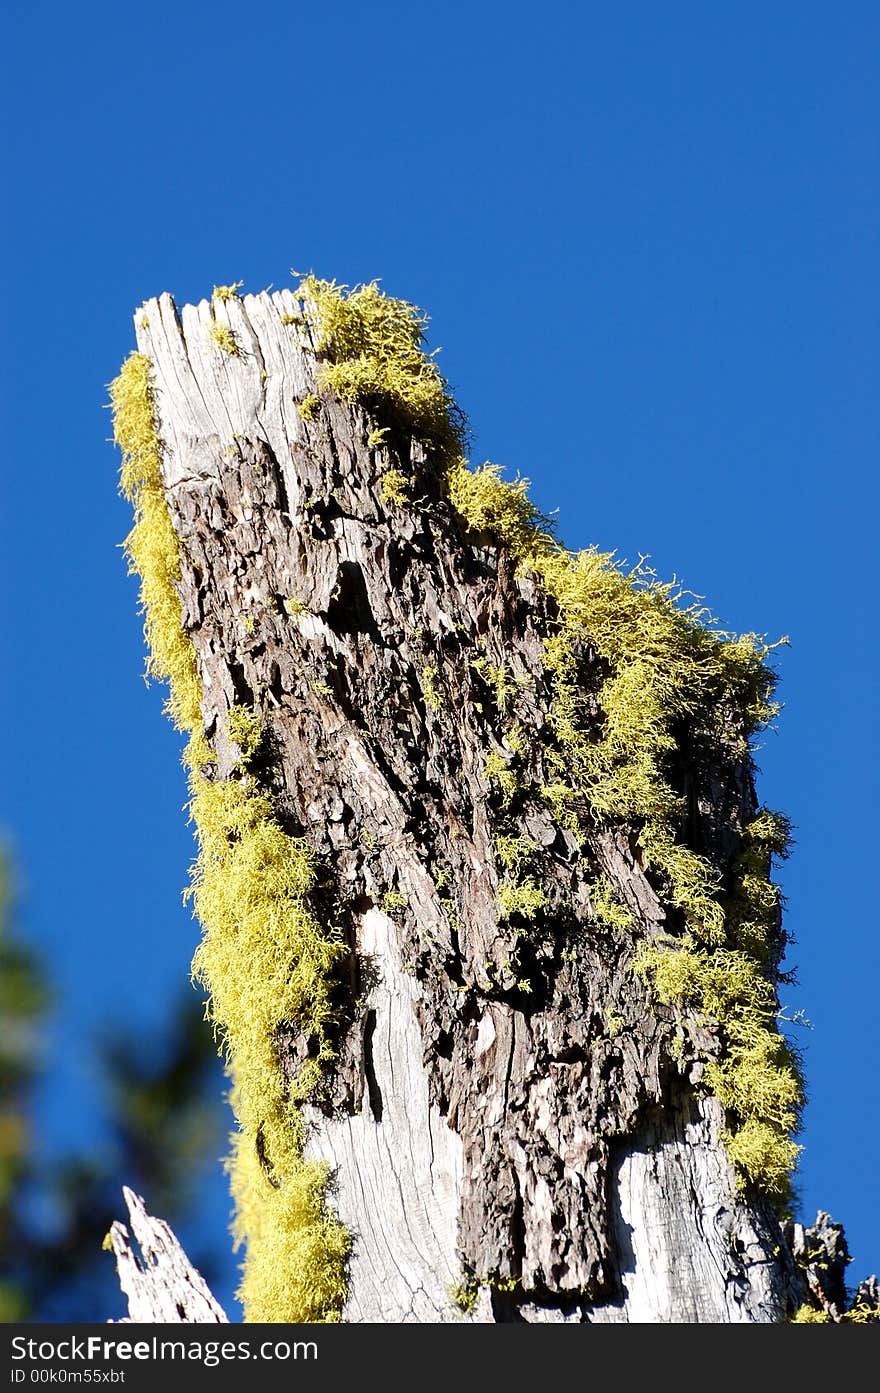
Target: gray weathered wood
{"points": [[155, 1273]]}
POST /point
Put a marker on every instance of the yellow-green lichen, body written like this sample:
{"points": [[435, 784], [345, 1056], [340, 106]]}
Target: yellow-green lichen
{"points": [[430, 690], [513, 851], [753, 907], [498, 771], [246, 729], [465, 1295], [614, 1021], [862, 1312], [265, 959], [607, 907], [227, 292], [374, 349], [488, 503], [223, 337], [498, 678], [859, 1313], [393, 488], [520, 897], [810, 1315], [393, 901], [757, 1077], [152, 547]]}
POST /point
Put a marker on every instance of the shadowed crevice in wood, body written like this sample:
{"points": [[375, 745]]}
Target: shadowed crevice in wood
{"points": [[373, 1090]]}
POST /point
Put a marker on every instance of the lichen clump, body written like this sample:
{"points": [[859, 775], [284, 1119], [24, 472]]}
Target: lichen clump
{"points": [[265, 959], [664, 665], [373, 347], [223, 337], [227, 292]]}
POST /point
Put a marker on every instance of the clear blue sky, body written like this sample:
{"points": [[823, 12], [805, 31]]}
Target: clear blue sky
{"points": [[647, 236]]}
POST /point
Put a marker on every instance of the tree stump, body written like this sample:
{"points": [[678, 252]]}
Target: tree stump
{"points": [[516, 1131]]}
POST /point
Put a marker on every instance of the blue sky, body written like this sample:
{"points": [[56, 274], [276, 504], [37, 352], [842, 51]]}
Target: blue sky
{"points": [[647, 237]]}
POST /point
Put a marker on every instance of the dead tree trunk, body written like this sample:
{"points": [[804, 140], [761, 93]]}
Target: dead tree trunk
{"points": [[514, 1131]]}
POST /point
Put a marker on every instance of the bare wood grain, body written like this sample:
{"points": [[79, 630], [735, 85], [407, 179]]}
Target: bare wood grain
{"points": [[155, 1273]]}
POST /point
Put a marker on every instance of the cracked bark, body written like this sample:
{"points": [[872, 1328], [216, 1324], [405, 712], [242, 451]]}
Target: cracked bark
{"points": [[506, 1102]]}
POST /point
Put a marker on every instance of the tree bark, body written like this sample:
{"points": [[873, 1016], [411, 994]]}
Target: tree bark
{"points": [[505, 1105]]}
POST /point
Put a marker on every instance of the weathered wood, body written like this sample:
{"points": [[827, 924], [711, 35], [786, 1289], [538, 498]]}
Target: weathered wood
{"points": [[821, 1253], [160, 1282], [504, 1104]]}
